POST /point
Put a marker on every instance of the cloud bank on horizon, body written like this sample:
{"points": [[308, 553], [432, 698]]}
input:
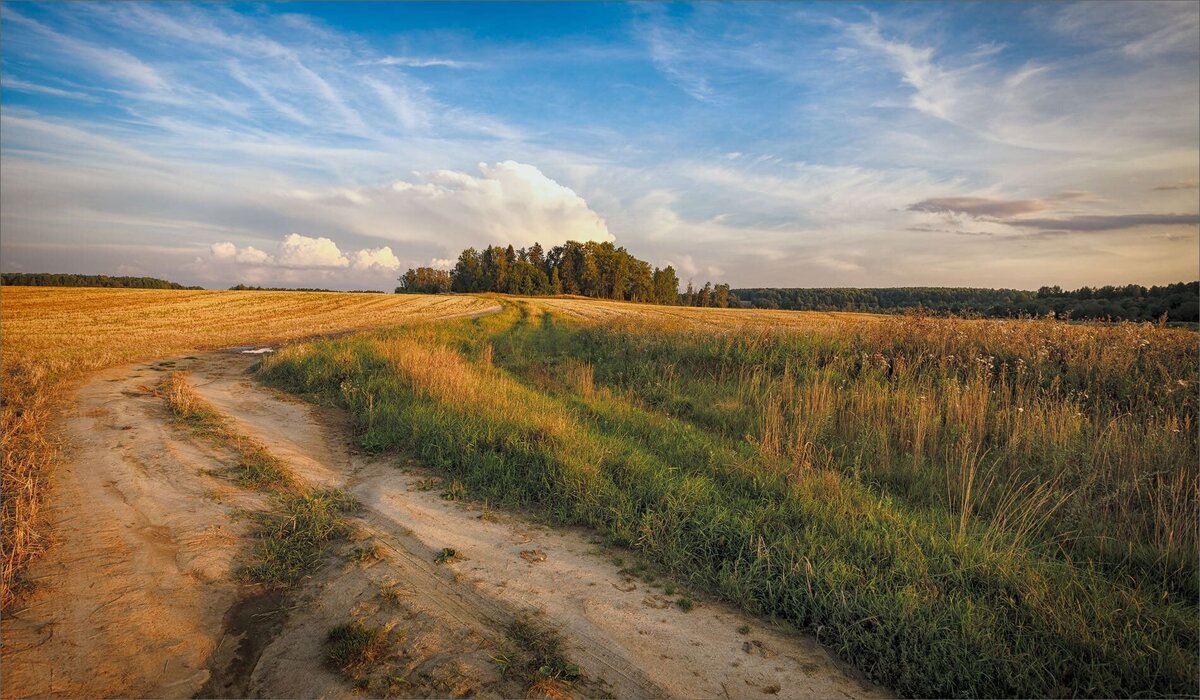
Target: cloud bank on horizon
{"points": [[759, 144]]}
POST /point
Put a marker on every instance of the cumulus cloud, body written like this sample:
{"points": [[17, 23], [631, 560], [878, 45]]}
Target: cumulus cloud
{"points": [[507, 203], [303, 252], [375, 258]]}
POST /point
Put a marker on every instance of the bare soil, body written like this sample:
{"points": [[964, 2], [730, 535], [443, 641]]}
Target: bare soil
{"points": [[138, 599]]}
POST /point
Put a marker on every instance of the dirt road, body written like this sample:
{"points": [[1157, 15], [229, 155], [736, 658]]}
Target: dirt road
{"points": [[138, 598]]}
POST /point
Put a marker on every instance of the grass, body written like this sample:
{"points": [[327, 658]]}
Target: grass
{"points": [[353, 647], [54, 336], [256, 467], [291, 540], [975, 508], [539, 661]]}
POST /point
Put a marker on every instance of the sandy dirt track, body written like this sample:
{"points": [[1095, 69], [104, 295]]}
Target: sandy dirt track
{"points": [[137, 598]]}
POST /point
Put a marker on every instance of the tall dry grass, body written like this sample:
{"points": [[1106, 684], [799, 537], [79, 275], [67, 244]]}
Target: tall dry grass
{"points": [[50, 337]]}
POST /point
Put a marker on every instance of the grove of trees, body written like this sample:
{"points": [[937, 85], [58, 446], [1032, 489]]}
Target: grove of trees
{"points": [[590, 269]]}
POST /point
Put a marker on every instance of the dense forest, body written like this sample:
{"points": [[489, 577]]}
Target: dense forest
{"points": [[1179, 302], [590, 269], [46, 279]]}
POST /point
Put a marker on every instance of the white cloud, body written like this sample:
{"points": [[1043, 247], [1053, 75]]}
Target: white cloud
{"points": [[417, 62], [378, 258], [224, 250], [302, 251], [443, 263], [253, 256]]}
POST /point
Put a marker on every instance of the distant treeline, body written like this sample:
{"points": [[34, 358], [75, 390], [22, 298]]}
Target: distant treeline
{"points": [[1180, 302], [590, 269], [46, 279], [251, 288]]}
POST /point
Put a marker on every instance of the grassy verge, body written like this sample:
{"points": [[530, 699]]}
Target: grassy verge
{"points": [[884, 487], [292, 538]]}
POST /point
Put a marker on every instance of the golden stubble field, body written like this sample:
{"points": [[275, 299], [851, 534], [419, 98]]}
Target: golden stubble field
{"points": [[52, 336]]}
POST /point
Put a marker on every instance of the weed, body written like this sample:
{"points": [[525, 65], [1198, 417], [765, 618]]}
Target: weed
{"points": [[455, 491], [744, 629], [447, 555], [392, 593], [686, 603], [366, 553]]}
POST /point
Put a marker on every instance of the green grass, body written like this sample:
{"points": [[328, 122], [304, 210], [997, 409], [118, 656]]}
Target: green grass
{"points": [[958, 509], [292, 539]]}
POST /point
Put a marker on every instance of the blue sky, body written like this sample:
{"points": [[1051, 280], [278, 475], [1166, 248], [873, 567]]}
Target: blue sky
{"points": [[790, 144]]}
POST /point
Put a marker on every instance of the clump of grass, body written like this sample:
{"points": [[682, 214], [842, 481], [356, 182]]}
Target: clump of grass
{"points": [[192, 411], [258, 468], [686, 603], [391, 593], [539, 661], [291, 541], [351, 648], [447, 555], [743, 629]]}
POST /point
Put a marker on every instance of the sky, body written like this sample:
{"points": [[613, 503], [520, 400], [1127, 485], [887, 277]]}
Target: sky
{"points": [[759, 144]]}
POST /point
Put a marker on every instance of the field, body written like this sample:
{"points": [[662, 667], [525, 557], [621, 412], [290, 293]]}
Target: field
{"points": [[53, 336], [955, 507], [959, 508]]}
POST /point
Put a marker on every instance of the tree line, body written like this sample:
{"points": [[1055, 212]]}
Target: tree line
{"points": [[47, 279], [599, 270], [1179, 302], [255, 288]]}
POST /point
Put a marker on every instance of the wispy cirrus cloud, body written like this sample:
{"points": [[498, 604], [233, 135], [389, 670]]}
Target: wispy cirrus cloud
{"points": [[421, 62], [1107, 223]]}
